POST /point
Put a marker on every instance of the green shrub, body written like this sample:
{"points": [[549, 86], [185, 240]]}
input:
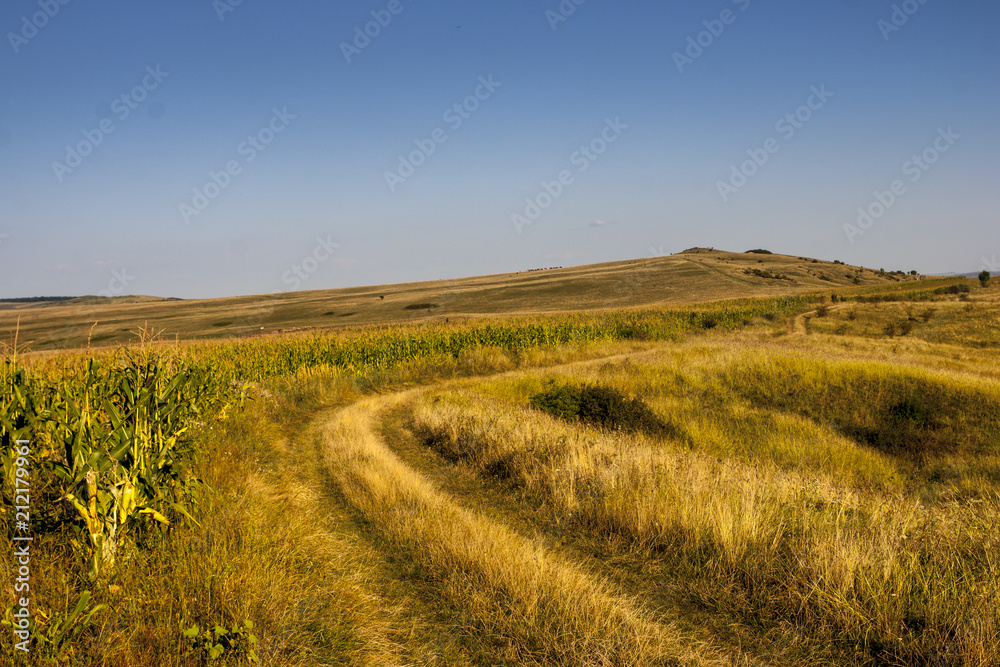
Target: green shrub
{"points": [[760, 273], [559, 401], [953, 289], [911, 414], [600, 406], [221, 644]]}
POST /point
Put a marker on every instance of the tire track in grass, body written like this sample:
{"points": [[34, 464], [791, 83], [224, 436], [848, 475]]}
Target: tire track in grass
{"points": [[274, 550], [375, 617], [648, 581], [531, 605], [647, 575]]}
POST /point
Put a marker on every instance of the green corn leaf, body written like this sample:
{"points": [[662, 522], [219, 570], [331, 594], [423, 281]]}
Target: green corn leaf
{"points": [[172, 386], [84, 599], [85, 621], [113, 414], [180, 508], [119, 452], [156, 515], [77, 505]]}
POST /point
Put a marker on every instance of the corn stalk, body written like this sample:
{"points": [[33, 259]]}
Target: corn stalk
{"points": [[123, 462]]}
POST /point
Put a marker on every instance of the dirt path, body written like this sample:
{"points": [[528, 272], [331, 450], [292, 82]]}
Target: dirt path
{"points": [[470, 572], [506, 584], [382, 618], [800, 323]]}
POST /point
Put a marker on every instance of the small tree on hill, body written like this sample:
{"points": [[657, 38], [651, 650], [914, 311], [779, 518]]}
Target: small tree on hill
{"points": [[984, 278]]}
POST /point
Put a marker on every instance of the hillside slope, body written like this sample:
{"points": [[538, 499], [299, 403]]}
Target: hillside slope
{"points": [[694, 275]]}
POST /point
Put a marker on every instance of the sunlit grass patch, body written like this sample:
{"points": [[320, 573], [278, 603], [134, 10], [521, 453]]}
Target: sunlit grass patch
{"points": [[868, 565]]}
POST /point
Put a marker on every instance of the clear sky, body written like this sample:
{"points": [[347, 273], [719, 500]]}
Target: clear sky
{"points": [[196, 149]]}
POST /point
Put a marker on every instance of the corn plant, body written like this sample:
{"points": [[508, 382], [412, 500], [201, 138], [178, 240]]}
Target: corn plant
{"points": [[25, 411], [125, 457], [58, 632], [123, 460]]}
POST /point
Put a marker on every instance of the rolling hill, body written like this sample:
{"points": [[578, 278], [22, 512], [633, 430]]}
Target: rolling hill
{"points": [[695, 275]]}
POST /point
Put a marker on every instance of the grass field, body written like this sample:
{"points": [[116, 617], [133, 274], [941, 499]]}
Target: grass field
{"points": [[806, 477], [688, 277]]}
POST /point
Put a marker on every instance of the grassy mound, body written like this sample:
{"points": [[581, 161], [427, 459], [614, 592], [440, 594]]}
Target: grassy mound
{"points": [[910, 413], [604, 407]]}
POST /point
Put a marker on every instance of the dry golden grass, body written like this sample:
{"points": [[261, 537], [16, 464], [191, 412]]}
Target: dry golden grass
{"points": [[689, 277], [796, 522], [537, 608], [266, 550]]}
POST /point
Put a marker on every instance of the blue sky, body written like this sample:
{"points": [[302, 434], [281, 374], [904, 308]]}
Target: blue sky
{"points": [[200, 149]]}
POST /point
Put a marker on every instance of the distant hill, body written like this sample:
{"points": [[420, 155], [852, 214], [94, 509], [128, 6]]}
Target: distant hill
{"points": [[695, 275], [38, 299], [971, 274], [90, 298]]}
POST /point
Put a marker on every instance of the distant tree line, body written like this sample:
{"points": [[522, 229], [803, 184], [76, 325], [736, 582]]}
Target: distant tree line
{"points": [[37, 299]]}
